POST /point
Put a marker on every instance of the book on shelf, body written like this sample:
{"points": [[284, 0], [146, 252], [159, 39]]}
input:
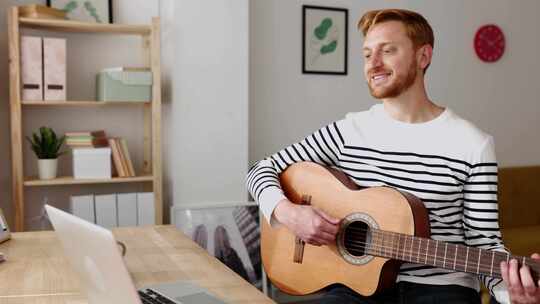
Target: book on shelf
{"points": [[98, 133], [87, 143], [121, 158], [88, 139], [116, 158], [131, 169]]}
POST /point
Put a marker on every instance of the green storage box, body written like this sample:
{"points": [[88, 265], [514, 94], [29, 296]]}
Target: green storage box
{"points": [[121, 84]]}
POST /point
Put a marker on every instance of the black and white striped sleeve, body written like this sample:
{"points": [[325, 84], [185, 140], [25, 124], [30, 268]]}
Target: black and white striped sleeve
{"points": [[481, 216], [322, 147]]}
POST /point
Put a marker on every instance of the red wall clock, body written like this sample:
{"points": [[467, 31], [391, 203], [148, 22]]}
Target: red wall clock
{"points": [[489, 43]]}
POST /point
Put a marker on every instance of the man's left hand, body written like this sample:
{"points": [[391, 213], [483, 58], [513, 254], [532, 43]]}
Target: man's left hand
{"points": [[521, 286]]}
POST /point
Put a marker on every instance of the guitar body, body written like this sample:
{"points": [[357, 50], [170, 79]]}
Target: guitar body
{"points": [[382, 208]]}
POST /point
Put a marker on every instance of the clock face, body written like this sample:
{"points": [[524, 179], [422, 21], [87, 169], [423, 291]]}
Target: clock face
{"points": [[489, 43]]}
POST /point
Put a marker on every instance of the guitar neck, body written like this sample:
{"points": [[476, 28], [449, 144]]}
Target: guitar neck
{"points": [[443, 255]]}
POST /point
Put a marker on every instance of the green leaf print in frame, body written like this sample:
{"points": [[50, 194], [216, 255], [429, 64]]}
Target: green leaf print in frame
{"points": [[324, 40], [98, 11]]}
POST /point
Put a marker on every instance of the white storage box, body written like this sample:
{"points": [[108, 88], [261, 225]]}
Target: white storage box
{"points": [[92, 163]]}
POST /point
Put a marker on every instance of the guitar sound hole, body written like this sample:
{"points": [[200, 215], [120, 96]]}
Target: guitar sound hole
{"points": [[357, 237]]}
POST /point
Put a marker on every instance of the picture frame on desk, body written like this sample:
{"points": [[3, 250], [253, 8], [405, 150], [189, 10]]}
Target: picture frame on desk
{"points": [[230, 232], [98, 11], [5, 234], [324, 40]]}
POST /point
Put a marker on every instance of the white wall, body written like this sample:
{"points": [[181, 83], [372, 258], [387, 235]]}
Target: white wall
{"points": [[87, 54], [501, 98], [205, 67]]}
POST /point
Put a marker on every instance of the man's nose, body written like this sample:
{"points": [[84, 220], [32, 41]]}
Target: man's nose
{"points": [[375, 60]]}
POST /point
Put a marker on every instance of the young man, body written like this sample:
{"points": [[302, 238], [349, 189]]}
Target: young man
{"points": [[409, 143]]}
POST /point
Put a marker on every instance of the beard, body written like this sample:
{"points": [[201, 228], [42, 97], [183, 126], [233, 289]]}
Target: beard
{"points": [[398, 86]]}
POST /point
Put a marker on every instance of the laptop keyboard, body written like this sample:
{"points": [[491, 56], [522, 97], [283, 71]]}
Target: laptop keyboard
{"points": [[149, 296]]}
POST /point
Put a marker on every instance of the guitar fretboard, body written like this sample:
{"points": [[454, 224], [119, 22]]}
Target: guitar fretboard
{"points": [[442, 254]]}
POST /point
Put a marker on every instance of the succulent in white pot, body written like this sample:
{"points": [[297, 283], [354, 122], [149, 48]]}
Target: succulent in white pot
{"points": [[46, 145]]}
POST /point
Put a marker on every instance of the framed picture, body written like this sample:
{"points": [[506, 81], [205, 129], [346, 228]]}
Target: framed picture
{"points": [[98, 11], [5, 234], [324, 40], [230, 233]]}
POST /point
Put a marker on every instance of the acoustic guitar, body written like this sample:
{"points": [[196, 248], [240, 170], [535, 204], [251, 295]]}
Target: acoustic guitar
{"points": [[380, 228]]}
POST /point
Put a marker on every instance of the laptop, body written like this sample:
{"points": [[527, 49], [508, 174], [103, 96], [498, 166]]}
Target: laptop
{"points": [[95, 256]]}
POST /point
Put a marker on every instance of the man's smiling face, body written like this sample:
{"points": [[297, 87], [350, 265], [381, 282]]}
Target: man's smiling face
{"points": [[390, 65]]}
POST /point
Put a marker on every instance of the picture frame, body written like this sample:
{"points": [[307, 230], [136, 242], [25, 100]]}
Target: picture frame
{"points": [[97, 11], [230, 232], [324, 40], [5, 233]]}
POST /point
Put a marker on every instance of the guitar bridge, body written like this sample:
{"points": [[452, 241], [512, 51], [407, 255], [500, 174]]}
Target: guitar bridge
{"points": [[299, 250], [299, 244]]}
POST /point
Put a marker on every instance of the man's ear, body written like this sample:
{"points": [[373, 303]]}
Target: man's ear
{"points": [[423, 56]]}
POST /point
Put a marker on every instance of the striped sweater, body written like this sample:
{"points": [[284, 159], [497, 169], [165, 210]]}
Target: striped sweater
{"points": [[447, 162]]}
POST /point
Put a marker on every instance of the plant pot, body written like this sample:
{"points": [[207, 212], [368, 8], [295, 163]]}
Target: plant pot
{"points": [[47, 168]]}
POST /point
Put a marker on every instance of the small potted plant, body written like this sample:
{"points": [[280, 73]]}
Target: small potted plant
{"points": [[47, 146]]}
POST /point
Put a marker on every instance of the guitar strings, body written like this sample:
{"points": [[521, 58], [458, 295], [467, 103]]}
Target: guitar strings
{"points": [[491, 269], [422, 260], [391, 250], [485, 268], [480, 267], [379, 235]]}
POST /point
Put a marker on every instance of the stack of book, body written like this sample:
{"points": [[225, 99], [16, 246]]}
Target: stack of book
{"points": [[87, 139], [121, 158]]}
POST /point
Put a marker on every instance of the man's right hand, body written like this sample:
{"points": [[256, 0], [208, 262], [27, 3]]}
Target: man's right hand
{"points": [[308, 223]]}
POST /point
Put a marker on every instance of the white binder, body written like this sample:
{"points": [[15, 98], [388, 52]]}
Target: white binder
{"points": [[83, 206], [106, 215], [127, 209], [32, 68], [146, 209], [54, 68]]}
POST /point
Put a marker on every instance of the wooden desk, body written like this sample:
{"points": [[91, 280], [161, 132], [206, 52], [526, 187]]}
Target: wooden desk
{"points": [[36, 270]]}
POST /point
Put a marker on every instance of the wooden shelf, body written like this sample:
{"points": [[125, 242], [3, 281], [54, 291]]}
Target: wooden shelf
{"points": [[84, 27], [69, 180], [151, 110], [82, 103]]}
